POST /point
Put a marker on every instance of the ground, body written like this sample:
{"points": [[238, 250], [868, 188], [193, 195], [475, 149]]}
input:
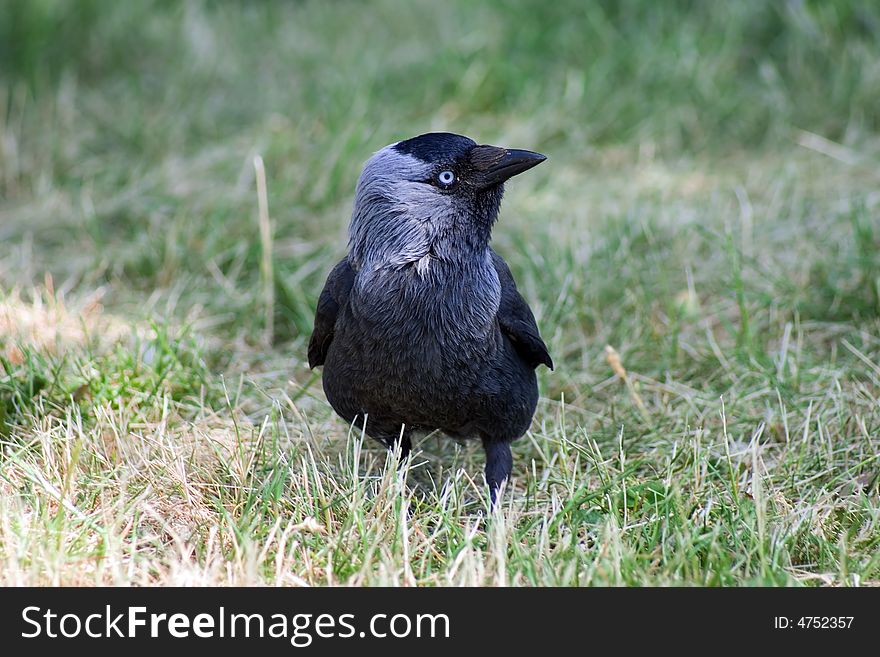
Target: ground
{"points": [[701, 250]]}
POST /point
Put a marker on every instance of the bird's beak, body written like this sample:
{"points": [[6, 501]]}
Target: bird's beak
{"points": [[495, 165]]}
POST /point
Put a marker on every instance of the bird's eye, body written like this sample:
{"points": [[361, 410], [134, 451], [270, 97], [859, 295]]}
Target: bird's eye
{"points": [[446, 178]]}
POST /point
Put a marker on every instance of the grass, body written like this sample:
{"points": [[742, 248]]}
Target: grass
{"points": [[709, 210]]}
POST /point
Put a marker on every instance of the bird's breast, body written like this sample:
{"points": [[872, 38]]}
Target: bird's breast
{"points": [[427, 311]]}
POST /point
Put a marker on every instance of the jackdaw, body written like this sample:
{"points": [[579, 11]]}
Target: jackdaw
{"points": [[421, 326]]}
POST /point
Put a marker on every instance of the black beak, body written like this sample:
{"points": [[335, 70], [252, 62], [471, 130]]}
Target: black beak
{"points": [[495, 165]]}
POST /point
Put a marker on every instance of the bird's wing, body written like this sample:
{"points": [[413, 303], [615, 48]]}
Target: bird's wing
{"points": [[517, 321], [333, 297]]}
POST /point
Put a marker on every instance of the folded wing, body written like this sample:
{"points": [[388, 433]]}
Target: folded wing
{"points": [[333, 297], [517, 321]]}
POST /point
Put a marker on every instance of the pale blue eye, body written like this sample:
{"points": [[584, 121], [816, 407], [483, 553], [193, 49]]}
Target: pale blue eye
{"points": [[446, 177]]}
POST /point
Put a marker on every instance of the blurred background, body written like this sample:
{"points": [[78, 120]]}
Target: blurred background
{"points": [[714, 153], [709, 209], [128, 128]]}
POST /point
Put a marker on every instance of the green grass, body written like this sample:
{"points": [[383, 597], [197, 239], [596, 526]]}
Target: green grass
{"points": [[710, 209]]}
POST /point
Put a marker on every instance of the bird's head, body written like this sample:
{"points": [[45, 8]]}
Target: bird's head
{"points": [[432, 196]]}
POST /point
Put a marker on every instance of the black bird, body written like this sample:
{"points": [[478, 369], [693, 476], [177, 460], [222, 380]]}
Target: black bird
{"points": [[421, 326]]}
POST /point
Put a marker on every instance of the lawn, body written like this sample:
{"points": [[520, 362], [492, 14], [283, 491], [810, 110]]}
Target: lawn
{"points": [[701, 250]]}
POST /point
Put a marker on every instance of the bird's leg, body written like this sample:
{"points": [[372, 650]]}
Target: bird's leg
{"points": [[404, 441], [499, 462], [401, 441]]}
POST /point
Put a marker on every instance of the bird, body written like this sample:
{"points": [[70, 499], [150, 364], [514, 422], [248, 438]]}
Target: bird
{"points": [[421, 326]]}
